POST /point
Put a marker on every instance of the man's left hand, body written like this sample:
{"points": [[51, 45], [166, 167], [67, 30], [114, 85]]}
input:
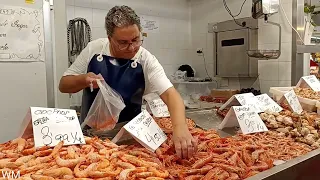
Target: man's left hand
{"points": [[185, 144]]}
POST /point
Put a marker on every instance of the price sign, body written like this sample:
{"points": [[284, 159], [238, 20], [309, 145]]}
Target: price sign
{"points": [[245, 117], [312, 82], [145, 130], [50, 126], [159, 108], [248, 99], [293, 101], [266, 103]]}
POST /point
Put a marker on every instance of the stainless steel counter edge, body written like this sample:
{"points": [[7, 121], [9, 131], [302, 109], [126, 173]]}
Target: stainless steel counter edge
{"points": [[281, 171]]}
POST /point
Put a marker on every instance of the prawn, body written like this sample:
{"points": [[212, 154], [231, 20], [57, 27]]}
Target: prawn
{"points": [[194, 177], [70, 163], [57, 173], [125, 165], [204, 170], [41, 177], [101, 174], [158, 173], [201, 162], [84, 173]]}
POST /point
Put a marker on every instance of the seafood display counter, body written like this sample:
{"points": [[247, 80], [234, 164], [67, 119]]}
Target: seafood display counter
{"points": [[305, 167]]}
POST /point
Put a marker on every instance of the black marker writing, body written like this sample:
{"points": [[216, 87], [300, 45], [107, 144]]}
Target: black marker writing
{"points": [[4, 47], [3, 24], [61, 137], [18, 25], [250, 125], [149, 138], [47, 135], [147, 122], [40, 121], [76, 138]]}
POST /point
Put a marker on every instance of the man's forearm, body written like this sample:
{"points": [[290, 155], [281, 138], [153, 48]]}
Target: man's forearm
{"points": [[72, 84], [175, 106]]}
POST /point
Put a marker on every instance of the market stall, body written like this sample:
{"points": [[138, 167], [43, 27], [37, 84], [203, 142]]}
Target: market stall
{"points": [[287, 149]]}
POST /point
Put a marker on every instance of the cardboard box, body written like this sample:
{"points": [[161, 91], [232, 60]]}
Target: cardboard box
{"points": [[223, 93]]}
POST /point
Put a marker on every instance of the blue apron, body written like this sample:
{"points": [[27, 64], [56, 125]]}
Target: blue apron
{"points": [[126, 79]]}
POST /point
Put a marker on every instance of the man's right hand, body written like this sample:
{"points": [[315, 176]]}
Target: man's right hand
{"points": [[91, 78]]}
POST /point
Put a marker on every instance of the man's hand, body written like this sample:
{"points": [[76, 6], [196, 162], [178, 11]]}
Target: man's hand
{"points": [[185, 144], [91, 78]]}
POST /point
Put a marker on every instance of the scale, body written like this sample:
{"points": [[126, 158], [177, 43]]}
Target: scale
{"points": [[264, 9]]}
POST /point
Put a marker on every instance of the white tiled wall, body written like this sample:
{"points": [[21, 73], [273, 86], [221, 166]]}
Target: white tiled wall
{"points": [[171, 44], [272, 72]]}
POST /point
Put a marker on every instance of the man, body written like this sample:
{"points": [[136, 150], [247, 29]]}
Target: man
{"points": [[129, 69]]}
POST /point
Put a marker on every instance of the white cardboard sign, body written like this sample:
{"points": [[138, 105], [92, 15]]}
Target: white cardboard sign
{"points": [[293, 101], [159, 108], [312, 81], [50, 126], [247, 99], [245, 117], [145, 130], [266, 103]]}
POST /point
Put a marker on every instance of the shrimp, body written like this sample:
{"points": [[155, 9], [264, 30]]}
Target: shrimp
{"points": [[25, 159], [43, 153], [194, 177], [57, 173], [70, 163], [201, 162], [233, 176], [139, 154], [104, 164], [93, 157], [71, 152], [247, 158], [101, 174], [41, 177], [157, 173], [84, 173], [212, 174], [134, 160], [9, 163], [260, 166], [203, 170], [143, 175], [29, 151], [154, 178], [56, 149], [125, 165], [125, 173]]}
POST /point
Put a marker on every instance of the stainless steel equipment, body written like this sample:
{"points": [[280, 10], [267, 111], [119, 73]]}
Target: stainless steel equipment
{"points": [[231, 43], [264, 9]]}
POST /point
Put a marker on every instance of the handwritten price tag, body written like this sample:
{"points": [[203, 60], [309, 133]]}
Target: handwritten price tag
{"points": [[50, 126], [245, 117], [266, 103], [159, 108], [249, 120], [293, 101], [248, 99], [312, 82], [145, 130]]}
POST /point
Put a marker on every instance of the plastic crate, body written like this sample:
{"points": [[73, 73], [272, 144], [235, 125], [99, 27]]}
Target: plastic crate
{"points": [[278, 92], [307, 104]]}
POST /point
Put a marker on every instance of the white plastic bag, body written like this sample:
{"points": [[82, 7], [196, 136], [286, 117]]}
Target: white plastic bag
{"points": [[105, 109]]}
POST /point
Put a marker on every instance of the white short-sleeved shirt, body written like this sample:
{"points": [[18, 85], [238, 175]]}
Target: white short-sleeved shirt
{"points": [[156, 80]]}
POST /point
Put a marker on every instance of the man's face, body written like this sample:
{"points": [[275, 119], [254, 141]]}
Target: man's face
{"points": [[125, 41]]}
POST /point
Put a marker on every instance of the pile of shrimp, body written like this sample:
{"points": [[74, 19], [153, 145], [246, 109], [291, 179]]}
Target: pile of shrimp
{"points": [[96, 159], [231, 158], [166, 125]]}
